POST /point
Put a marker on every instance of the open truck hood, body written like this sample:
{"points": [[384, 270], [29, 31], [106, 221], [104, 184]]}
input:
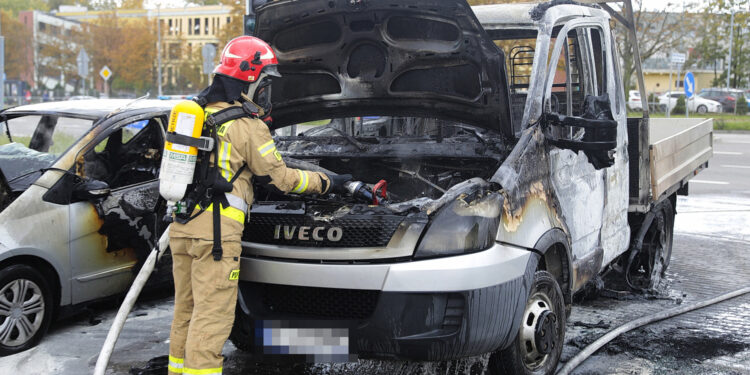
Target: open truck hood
{"points": [[421, 58]]}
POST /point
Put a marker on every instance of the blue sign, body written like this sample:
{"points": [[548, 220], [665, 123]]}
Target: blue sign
{"points": [[689, 84]]}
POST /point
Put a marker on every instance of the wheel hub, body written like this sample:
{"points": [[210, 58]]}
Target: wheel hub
{"points": [[16, 312], [544, 334], [538, 331]]}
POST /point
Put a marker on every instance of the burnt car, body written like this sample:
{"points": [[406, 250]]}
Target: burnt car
{"points": [[79, 206]]}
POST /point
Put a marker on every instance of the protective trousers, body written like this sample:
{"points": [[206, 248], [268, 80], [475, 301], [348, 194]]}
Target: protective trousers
{"points": [[205, 299]]}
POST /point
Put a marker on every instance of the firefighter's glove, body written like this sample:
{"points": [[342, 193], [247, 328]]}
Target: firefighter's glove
{"points": [[337, 182]]}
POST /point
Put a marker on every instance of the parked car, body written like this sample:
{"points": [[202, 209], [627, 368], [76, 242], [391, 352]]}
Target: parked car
{"points": [[695, 104], [79, 207], [634, 100], [506, 193], [727, 97]]}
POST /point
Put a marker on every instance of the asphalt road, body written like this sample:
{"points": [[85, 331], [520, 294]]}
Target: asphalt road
{"points": [[729, 169], [711, 255]]}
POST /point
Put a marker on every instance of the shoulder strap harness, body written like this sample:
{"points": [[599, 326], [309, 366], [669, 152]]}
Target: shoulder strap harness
{"points": [[209, 187]]}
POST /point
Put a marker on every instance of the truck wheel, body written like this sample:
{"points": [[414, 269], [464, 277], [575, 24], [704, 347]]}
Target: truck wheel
{"points": [[539, 342], [25, 308], [242, 331], [650, 265], [702, 109]]}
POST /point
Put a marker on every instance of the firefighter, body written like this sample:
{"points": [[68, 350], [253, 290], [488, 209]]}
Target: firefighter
{"points": [[206, 289]]}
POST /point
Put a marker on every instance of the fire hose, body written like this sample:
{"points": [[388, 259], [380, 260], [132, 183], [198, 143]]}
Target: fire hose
{"points": [[642, 321], [129, 302]]}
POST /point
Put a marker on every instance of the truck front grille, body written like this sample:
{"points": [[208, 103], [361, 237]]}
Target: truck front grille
{"points": [[355, 230], [318, 302]]}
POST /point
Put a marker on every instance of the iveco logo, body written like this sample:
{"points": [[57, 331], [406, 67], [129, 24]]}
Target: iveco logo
{"points": [[332, 234]]}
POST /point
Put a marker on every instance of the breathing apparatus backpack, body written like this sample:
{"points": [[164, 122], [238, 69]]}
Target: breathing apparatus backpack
{"points": [[187, 178]]}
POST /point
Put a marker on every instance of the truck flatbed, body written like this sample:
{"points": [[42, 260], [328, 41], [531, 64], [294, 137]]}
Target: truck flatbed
{"points": [[679, 149]]}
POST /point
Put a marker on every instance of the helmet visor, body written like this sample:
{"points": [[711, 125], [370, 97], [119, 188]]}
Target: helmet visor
{"points": [[271, 70]]}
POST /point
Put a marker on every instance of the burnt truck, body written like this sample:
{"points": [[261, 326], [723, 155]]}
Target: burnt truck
{"points": [[506, 171]]}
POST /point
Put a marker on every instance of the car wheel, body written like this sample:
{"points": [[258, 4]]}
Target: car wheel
{"points": [[702, 109], [538, 345], [25, 308]]}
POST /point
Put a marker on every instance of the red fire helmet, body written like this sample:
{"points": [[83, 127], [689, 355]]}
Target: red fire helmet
{"points": [[245, 57]]}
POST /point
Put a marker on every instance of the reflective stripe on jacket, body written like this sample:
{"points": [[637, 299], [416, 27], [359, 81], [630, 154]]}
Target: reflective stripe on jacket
{"points": [[248, 140]]}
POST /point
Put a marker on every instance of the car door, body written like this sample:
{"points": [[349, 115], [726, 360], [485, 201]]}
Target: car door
{"points": [[103, 254], [585, 119]]}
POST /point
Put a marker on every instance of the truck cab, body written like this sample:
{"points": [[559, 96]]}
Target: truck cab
{"points": [[513, 176]]}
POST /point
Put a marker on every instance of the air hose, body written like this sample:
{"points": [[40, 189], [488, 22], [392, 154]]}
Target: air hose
{"points": [[642, 321], [129, 302]]}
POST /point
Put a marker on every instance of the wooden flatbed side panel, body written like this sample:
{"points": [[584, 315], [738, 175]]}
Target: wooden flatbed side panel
{"points": [[679, 148]]}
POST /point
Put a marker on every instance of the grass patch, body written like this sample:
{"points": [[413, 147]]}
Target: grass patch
{"points": [[722, 121], [23, 140], [60, 142]]}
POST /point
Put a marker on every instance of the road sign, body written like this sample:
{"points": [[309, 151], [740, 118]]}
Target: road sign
{"points": [[105, 73], [209, 53], [83, 63], [689, 84], [678, 58]]}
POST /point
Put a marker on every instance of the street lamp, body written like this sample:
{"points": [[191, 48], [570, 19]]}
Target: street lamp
{"points": [[158, 47], [731, 47]]}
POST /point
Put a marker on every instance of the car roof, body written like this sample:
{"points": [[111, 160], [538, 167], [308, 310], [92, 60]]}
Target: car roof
{"points": [[92, 108]]}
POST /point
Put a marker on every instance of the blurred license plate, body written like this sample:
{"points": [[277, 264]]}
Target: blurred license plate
{"points": [[303, 341]]}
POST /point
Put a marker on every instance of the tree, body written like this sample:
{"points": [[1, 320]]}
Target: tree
{"points": [[15, 6], [657, 32], [17, 46], [234, 28], [679, 107], [742, 105], [714, 44], [126, 46]]}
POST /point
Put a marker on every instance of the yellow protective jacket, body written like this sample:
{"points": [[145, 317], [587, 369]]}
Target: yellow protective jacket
{"points": [[241, 141]]}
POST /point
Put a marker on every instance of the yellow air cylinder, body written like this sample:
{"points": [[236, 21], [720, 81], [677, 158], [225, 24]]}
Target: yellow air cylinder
{"points": [[178, 160]]}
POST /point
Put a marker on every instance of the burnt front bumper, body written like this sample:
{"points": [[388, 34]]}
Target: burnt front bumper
{"points": [[435, 309]]}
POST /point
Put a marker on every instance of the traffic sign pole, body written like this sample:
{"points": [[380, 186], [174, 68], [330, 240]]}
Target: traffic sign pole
{"points": [[106, 74], [689, 90]]}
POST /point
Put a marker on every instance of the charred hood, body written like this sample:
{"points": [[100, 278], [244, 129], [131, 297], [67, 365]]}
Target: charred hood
{"points": [[422, 58]]}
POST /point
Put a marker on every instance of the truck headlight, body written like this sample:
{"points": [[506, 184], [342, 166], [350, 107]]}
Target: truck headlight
{"points": [[464, 226]]}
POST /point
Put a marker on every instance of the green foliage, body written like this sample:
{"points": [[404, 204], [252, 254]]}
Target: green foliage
{"points": [[742, 105], [15, 6], [679, 108]]}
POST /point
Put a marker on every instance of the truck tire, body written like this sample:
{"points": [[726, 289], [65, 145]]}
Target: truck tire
{"points": [[651, 264], [538, 345], [26, 306], [702, 109]]}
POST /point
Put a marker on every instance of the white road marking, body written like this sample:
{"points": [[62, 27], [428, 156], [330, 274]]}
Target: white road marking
{"points": [[735, 166], [726, 153], [709, 182]]}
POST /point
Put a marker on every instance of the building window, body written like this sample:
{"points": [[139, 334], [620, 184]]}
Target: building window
{"points": [[174, 51], [229, 20], [169, 75], [205, 26], [170, 27], [197, 26], [190, 26], [42, 26]]}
